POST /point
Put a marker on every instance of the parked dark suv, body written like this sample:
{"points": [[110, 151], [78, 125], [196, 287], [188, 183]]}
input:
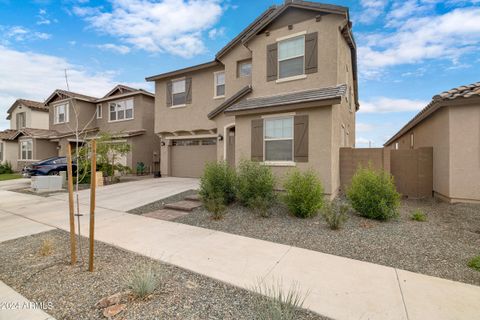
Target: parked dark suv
{"points": [[50, 166]]}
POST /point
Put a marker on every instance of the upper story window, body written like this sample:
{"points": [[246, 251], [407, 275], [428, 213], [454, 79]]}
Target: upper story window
{"points": [[291, 57], [121, 110], [244, 68], [60, 113], [99, 111], [179, 93], [21, 119], [278, 139], [219, 83], [26, 148], [412, 140]]}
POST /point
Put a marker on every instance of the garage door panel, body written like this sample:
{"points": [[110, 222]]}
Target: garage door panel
{"points": [[189, 161]]}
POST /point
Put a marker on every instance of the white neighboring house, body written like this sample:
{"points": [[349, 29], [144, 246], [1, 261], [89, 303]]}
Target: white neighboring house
{"points": [[27, 118]]}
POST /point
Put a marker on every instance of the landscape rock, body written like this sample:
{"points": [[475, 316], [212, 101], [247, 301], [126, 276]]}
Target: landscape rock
{"points": [[113, 310]]}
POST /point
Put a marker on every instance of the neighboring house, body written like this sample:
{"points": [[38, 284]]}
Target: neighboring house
{"points": [[450, 124], [124, 112], [28, 124], [282, 92]]}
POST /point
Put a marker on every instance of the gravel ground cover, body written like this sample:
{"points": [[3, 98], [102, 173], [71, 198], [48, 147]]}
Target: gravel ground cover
{"points": [[75, 291], [441, 246], [157, 205]]}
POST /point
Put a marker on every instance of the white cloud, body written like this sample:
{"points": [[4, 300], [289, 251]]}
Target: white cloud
{"points": [[19, 34], [363, 142], [216, 33], [371, 10], [173, 26], [364, 127], [114, 47], [448, 36], [41, 74], [386, 105]]}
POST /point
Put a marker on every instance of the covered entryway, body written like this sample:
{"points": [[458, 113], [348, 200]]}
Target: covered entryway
{"points": [[189, 156]]}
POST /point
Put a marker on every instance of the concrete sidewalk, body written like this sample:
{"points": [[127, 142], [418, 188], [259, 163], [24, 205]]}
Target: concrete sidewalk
{"points": [[339, 288], [15, 306]]}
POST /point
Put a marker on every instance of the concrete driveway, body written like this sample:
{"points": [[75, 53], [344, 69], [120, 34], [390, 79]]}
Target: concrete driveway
{"points": [[15, 184], [129, 195]]}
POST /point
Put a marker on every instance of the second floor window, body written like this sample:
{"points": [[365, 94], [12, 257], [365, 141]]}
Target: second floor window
{"points": [[244, 68], [21, 120], [219, 84], [26, 148], [291, 54], [99, 111], [61, 113], [179, 94], [121, 110]]}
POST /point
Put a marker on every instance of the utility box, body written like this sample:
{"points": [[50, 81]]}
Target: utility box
{"points": [[46, 183]]}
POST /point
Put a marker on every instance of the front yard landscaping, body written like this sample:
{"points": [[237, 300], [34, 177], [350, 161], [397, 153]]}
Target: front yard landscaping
{"points": [[442, 246], [9, 176], [38, 267]]}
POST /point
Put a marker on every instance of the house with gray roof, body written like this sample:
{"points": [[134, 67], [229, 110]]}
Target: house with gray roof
{"points": [[282, 92]]}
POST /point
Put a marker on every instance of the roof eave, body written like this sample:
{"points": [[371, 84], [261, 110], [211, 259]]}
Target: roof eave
{"points": [[178, 72]]}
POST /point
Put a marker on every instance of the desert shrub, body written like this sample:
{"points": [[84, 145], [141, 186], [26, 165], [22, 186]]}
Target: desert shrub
{"points": [[144, 279], [6, 168], [335, 214], [474, 263], [373, 194], [261, 205], [418, 215], [46, 248], [272, 303], [303, 193], [255, 181], [215, 203], [218, 181]]}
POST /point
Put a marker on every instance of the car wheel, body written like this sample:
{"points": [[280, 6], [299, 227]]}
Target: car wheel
{"points": [[53, 173]]}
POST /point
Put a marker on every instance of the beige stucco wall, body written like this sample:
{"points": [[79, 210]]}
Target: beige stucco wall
{"points": [[320, 145], [34, 118], [233, 83], [465, 152], [85, 110], [10, 153], [433, 132]]}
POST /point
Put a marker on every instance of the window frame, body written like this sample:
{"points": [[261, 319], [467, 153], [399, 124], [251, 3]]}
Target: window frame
{"points": [[173, 94], [215, 85], [66, 112], [412, 140], [265, 139], [24, 120], [117, 103], [27, 142], [2, 148], [286, 39], [242, 62], [98, 114]]}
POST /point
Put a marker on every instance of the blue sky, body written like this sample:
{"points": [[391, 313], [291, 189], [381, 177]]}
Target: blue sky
{"points": [[408, 50]]}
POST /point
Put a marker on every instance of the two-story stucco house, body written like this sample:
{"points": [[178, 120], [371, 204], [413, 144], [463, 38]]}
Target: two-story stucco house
{"points": [[27, 138], [124, 112], [282, 92]]}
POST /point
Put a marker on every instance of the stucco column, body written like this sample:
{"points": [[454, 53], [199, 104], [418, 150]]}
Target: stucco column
{"points": [[165, 149]]}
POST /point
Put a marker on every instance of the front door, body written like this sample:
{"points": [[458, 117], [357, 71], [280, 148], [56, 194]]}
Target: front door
{"points": [[231, 146]]}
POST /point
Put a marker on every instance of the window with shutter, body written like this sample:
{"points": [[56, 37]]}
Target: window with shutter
{"points": [[301, 138], [311, 52], [257, 140], [291, 57], [278, 139]]}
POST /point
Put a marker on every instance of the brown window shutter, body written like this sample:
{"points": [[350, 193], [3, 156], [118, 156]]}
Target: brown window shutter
{"points": [[300, 137], [169, 93], [188, 89], [311, 52], [272, 61], [257, 140]]}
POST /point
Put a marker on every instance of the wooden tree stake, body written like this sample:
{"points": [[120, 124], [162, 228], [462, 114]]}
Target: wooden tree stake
{"points": [[73, 253], [93, 186]]}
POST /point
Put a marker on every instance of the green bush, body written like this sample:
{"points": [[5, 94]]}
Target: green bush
{"points": [[6, 168], [215, 203], [218, 181], [335, 214], [262, 206], [373, 194], [303, 193], [255, 181], [474, 263], [144, 279], [418, 215], [272, 303]]}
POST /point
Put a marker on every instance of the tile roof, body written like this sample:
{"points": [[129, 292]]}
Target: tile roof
{"points": [[8, 134], [38, 133], [227, 103], [36, 105], [462, 92], [290, 98]]}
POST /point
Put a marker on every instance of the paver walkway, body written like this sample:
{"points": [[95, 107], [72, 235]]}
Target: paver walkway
{"points": [[339, 288]]}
